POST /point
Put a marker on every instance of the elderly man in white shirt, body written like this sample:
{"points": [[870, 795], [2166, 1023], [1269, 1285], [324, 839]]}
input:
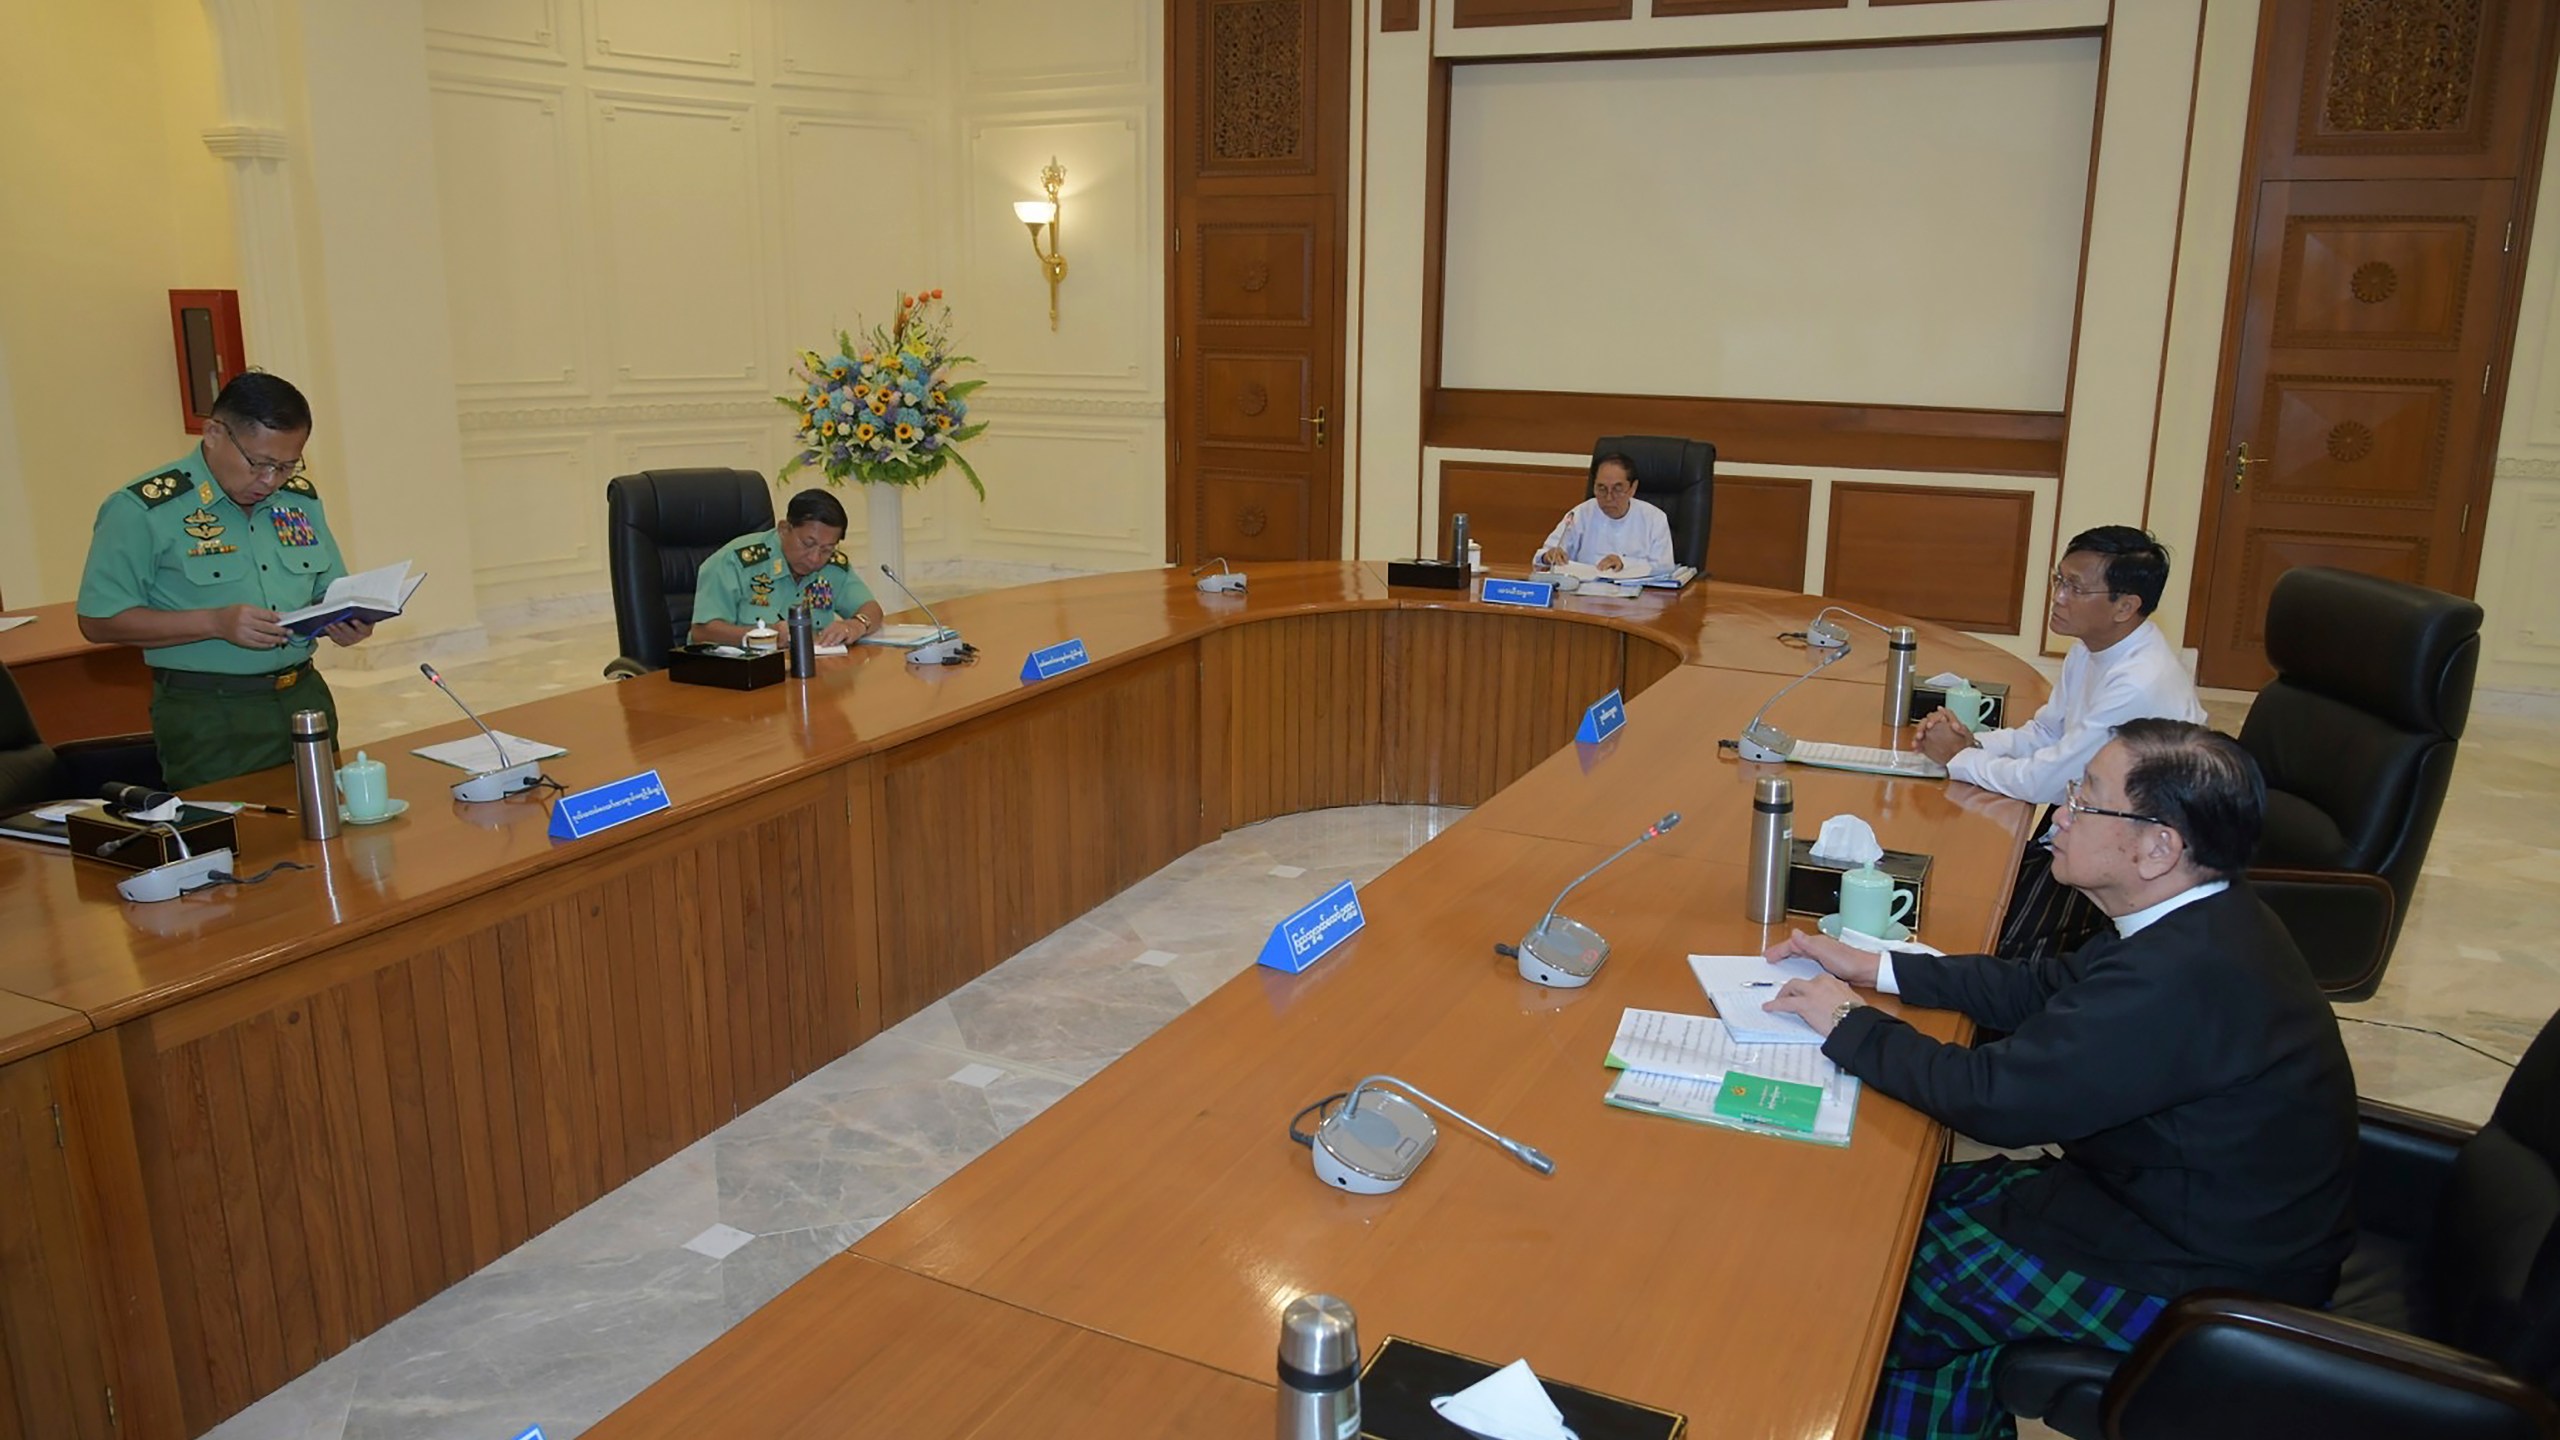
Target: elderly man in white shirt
{"points": [[1613, 530], [2120, 668]]}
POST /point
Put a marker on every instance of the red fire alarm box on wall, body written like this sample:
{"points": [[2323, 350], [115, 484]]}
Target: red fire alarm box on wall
{"points": [[206, 326]]}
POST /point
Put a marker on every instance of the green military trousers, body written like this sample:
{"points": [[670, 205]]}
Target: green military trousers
{"points": [[212, 727]]}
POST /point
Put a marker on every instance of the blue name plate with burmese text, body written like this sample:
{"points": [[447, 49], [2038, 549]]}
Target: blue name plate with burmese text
{"points": [[575, 817], [1308, 936], [1055, 659], [1602, 720], [1536, 594], [533, 1434]]}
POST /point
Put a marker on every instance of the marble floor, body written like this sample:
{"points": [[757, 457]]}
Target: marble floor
{"points": [[565, 1328]]}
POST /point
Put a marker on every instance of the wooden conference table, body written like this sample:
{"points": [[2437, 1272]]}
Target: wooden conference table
{"points": [[75, 688], [292, 1112]]}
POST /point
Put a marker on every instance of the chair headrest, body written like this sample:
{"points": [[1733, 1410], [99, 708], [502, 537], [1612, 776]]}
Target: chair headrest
{"points": [[681, 508], [2404, 653], [1663, 462]]}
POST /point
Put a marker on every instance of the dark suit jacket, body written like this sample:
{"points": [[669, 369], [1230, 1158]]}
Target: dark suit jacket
{"points": [[2193, 1076]]}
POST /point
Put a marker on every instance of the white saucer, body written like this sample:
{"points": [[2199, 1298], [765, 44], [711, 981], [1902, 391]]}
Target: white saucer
{"points": [[1895, 931], [397, 809]]}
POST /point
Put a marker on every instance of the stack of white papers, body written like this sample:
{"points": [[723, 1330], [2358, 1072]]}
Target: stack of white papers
{"points": [[908, 637], [1627, 570], [1740, 985], [1674, 1064], [476, 755]]}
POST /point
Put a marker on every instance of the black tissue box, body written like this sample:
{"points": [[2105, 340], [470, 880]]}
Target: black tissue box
{"points": [[694, 665], [1995, 702], [1428, 574], [1397, 1386], [137, 846], [1813, 886]]}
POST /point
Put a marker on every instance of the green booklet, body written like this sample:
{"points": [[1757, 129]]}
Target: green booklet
{"points": [[1778, 1104]]}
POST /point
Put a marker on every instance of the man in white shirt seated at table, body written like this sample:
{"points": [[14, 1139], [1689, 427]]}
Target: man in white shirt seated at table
{"points": [[1612, 531], [2120, 668]]}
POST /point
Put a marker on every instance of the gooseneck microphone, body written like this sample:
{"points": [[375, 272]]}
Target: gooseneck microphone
{"points": [[946, 647], [1823, 635], [1378, 1138], [1764, 743], [1228, 580], [495, 784], [1565, 953]]}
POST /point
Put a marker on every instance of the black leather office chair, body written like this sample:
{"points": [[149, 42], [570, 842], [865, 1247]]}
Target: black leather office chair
{"points": [[2356, 735], [1677, 476], [662, 524], [33, 772], [2446, 1323]]}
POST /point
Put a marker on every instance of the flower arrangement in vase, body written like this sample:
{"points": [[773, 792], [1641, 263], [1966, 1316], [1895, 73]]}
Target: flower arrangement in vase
{"points": [[891, 409]]}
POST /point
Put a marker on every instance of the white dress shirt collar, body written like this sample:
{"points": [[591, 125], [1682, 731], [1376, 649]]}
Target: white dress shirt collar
{"points": [[2130, 925]]}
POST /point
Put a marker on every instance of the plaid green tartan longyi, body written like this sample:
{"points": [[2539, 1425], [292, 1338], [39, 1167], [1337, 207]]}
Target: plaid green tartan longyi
{"points": [[1970, 1293]]}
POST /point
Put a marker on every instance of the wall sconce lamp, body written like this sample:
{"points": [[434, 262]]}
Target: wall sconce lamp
{"points": [[1035, 213]]}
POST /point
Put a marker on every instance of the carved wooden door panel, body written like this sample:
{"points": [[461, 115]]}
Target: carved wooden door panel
{"points": [[1257, 97], [2393, 148]]}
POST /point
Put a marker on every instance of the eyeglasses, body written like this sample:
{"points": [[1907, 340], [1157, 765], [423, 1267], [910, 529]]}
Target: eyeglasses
{"points": [[2074, 589], [2071, 802], [292, 469]]}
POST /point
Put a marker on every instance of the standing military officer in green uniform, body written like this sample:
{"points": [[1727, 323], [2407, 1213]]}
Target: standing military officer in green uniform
{"points": [[756, 579], [194, 562]]}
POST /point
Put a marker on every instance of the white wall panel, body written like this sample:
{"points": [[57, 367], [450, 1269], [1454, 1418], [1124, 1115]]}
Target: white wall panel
{"points": [[503, 185], [1084, 483], [682, 263], [844, 260], [1878, 225], [705, 39], [738, 447], [1019, 44], [536, 511], [1110, 308], [518, 29], [866, 44]]}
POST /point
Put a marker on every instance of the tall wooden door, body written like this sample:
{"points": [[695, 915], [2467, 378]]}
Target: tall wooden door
{"points": [[1257, 99], [2394, 145]]}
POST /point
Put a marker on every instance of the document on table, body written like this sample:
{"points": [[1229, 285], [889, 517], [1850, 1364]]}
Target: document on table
{"points": [[1627, 570], [12, 622], [475, 754], [908, 637], [1741, 984], [1673, 1064]]}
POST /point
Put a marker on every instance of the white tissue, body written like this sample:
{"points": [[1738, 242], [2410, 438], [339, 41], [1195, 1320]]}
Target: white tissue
{"points": [[166, 810], [1508, 1404], [1943, 680], [1847, 840]]}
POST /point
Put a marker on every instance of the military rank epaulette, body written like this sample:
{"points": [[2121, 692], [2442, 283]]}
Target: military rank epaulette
{"points": [[755, 554], [838, 560], [160, 489], [301, 485]]}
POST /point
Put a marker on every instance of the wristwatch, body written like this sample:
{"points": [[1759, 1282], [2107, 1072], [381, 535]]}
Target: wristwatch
{"points": [[1841, 1011]]}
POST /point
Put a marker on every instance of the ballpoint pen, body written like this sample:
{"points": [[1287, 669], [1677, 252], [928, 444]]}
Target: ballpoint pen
{"points": [[261, 809]]}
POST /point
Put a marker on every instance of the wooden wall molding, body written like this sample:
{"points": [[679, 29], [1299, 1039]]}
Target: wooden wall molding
{"points": [[1956, 556], [1763, 528], [1509, 508], [1467, 14], [1741, 7], [1395, 15], [1759, 432]]}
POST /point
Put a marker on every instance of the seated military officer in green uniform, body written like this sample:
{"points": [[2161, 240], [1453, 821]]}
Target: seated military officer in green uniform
{"points": [[758, 578], [194, 562]]}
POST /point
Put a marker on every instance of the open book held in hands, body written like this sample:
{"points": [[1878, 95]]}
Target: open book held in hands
{"points": [[375, 595]]}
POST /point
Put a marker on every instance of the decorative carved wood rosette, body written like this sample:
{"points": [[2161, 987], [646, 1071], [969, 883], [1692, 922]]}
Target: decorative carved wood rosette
{"points": [[2403, 77], [1255, 115]]}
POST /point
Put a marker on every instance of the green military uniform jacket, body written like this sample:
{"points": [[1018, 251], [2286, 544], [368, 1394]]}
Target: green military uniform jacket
{"points": [[173, 540], [747, 580]]}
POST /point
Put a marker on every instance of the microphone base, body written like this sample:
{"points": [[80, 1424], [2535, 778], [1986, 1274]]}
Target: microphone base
{"points": [[1764, 744], [1562, 954], [165, 882], [1230, 581], [946, 651], [499, 784], [1376, 1150]]}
